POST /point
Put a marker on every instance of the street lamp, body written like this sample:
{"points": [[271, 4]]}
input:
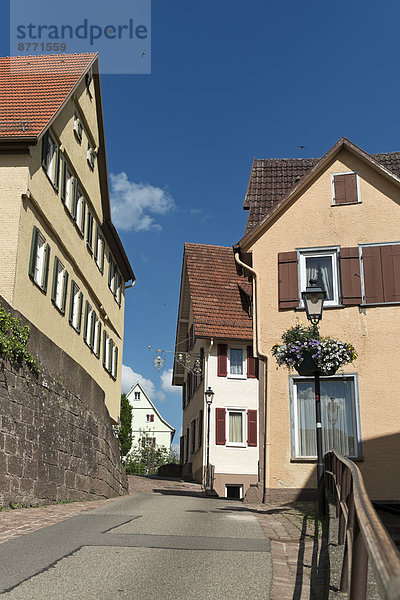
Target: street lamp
{"points": [[313, 299], [209, 395]]}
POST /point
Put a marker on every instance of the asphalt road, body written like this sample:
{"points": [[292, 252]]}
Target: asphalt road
{"points": [[147, 547]]}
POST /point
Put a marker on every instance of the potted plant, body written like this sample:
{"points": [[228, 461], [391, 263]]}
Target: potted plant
{"points": [[303, 349]]}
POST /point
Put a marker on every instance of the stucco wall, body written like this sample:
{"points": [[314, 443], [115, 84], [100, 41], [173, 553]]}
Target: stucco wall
{"points": [[312, 221], [140, 426]]}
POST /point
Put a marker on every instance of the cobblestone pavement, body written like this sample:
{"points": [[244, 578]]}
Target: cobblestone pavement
{"points": [[299, 549]]}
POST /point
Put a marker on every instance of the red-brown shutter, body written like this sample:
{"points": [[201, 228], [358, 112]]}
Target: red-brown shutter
{"points": [[288, 280], [345, 187], [252, 428], [251, 363], [200, 433], [222, 360], [373, 278], [220, 426], [390, 258], [350, 274]]}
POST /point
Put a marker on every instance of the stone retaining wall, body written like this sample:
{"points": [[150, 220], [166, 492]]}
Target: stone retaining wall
{"points": [[56, 437]]}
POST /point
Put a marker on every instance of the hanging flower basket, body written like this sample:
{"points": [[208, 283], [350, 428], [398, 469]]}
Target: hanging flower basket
{"points": [[304, 350]]}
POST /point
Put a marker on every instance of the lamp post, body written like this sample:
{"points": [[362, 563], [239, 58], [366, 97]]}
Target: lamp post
{"points": [[209, 395], [313, 299]]}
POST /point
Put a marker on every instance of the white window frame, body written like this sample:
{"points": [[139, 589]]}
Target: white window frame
{"points": [[97, 339], [243, 411], [80, 212], [236, 485], [243, 375], [87, 334], [100, 250], [59, 291], [333, 253], [78, 128], [51, 159], [356, 173], [39, 261], [75, 307], [294, 414], [136, 395], [69, 188]]}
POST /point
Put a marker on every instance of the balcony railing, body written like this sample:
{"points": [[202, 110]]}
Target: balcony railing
{"points": [[364, 537]]}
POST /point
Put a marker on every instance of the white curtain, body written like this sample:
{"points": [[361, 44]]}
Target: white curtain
{"points": [[235, 427], [337, 412], [236, 361], [320, 269]]}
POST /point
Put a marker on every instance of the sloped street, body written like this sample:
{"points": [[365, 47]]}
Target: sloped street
{"points": [[170, 543]]}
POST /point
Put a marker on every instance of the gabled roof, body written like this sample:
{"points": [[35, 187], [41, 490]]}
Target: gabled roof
{"points": [[34, 88], [275, 182], [33, 91], [137, 385], [219, 296], [272, 179]]}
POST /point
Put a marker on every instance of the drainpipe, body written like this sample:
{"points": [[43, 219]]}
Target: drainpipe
{"points": [[259, 354], [205, 379]]}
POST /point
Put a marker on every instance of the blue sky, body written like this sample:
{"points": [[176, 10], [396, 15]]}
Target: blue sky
{"points": [[231, 81]]}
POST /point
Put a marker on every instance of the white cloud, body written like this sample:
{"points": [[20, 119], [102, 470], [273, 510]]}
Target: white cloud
{"points": [[133, 204], [166, 383], [129, 378]]}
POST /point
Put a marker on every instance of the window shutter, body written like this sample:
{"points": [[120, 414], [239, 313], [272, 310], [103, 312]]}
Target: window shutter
{"points": [[345, 188], [80, 306], [220, 426], [200, 432], [373, 277], [54, 286], [46, 268], [93, 322], [181, 449], [63, 179], [251, 363], [154, 442], [222, 360], [390, 258], [75, 199], [288, 280], [110, 355], [71, 302], [65, 287], [57, 173], [104, 348], [83, 216], [102, 256], [96, 243], [97, 351], [85, 321], [191, 337], [32, 259], [252, 428], [116, 365], [350, 275], [110, 270], [45, 148]]}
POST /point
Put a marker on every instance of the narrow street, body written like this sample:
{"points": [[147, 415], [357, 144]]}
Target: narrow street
{"points": [[167, 540]]}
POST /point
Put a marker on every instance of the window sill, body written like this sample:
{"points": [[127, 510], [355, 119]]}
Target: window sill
{"points": [[346, 203], [332, 307], [231, 445], [60, 310], [238, 377]]}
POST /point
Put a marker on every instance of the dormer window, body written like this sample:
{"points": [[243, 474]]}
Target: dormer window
{"points": [[345, 188]]}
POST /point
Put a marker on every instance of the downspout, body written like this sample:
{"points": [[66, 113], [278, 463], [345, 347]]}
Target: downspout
{"points": [[207, 356], [259, 354]]}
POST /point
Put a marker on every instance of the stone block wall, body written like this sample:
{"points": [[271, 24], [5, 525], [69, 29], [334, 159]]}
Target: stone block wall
{"points": [[56, 437]]}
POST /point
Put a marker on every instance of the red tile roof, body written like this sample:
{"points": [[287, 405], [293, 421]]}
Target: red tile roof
{"points": [[33, 89], [271, 179], [219, 296]]}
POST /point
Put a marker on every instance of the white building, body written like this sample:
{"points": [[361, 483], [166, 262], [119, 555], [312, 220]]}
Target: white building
{"points": [[147, 423], [215, 325]]}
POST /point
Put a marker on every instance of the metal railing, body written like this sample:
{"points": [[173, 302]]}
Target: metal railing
{"points": [[362, 532]]}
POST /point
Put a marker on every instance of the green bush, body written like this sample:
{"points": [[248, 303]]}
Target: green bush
{"points": [[13, 339]]}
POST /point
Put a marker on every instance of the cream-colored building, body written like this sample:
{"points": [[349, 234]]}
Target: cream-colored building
{"points": [[148, 425], [335, 219], [63, 265], [214, 339]]}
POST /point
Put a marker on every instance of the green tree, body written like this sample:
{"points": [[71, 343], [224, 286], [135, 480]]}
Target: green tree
{"points": [[145, 458], [124, 431]]}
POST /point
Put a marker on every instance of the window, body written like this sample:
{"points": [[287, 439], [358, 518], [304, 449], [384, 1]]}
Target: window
{"points": [[234, 492], [339, 412], [99, 249], [87, 328], [39, 260], [235, 423], [236, 367], [320, 265], [89, 229], [137, 395], [75, 307], [90, 155], [60, 283], [51, 159], [67, 186], [345, 188], [78, 128], [114, 279], [150, 418], [110, 355], [80, 218]]}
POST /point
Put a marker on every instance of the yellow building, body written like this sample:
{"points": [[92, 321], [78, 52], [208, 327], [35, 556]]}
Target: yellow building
{"points": [[63, 265], [335, 219]]}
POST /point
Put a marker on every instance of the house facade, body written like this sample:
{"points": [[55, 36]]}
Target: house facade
{"points": [[148, 426], [63, 265], [214, 339], [335, 220]]}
